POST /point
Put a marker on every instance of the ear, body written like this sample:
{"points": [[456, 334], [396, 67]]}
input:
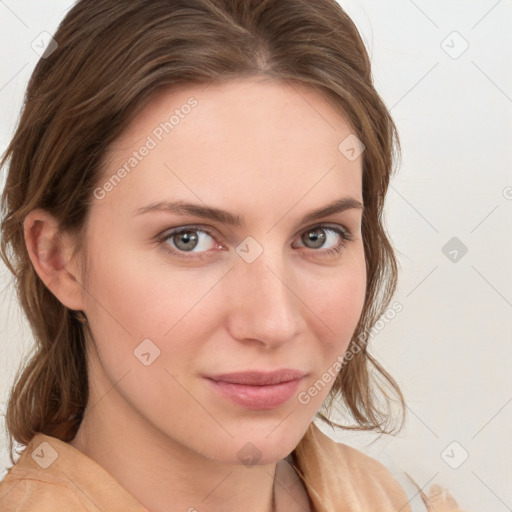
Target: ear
{"points": [[50, 253]]}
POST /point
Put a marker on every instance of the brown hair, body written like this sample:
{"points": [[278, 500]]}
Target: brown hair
{"points": [[112, 56]]}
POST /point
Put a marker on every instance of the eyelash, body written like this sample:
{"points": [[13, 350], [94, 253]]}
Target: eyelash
{"points": [[345, 237]]}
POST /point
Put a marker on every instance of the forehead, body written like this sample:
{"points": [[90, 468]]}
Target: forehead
{"points": [[250, 140], [233, 99]]}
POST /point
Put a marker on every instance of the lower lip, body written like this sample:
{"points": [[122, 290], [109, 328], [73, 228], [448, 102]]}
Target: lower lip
{"points": [[257, 397]]}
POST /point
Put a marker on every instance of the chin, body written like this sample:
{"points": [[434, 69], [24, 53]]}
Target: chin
{"points": [[265, 446]]}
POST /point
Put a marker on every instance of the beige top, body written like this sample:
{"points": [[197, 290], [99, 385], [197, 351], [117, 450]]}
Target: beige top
{"points": [[53, 476]]}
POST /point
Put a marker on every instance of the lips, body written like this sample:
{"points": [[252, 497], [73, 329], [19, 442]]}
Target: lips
{"points": [[257, 390], [258, 377]]}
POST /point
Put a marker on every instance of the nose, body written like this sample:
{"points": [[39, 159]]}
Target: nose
{"points": [[263, 305]]}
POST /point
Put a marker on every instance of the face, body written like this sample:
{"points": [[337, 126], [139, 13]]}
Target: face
{"points": [[176, 294]]}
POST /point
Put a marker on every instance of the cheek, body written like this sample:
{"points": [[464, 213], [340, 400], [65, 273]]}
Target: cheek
{"points": [[343, 301], [337, 305], [139, 296], [338, 301], [120, 291]]}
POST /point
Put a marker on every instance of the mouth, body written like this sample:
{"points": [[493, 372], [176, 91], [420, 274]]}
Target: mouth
{"points": [[257, 390], [259, 377]]}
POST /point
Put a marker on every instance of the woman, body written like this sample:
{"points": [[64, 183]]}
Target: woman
{"points": [[193, 216]]}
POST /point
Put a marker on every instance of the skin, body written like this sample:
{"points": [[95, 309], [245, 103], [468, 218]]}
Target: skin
{"points": [[262, 149]]}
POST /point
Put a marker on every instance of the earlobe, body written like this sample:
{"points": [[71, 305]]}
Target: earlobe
{"points": [[50, 254]]}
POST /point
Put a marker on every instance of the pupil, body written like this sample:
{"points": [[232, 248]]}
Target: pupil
{"points": [[317, 236], [185, 238]]}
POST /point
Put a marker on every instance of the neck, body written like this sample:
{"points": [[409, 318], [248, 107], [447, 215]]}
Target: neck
{"points": [[157, 470]]}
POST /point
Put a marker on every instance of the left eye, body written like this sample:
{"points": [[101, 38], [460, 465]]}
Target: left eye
{"points": [[185, 240], [319, 235]]}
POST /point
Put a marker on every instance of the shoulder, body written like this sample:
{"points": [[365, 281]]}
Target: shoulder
{"points": [[350, 475], [338, 474], [24, 491], [51, 475], [432, 499]]}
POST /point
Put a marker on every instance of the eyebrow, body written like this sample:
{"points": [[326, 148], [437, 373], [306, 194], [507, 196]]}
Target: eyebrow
{"points": [[223, 216]]}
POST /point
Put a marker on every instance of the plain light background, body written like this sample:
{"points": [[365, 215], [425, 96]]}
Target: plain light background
{"points": [[443, 68]]}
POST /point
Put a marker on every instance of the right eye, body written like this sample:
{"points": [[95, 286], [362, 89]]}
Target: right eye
{"points": [[185, 239]]}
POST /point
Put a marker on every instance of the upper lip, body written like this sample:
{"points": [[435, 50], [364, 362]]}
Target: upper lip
{"points": [[259, 378]]}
